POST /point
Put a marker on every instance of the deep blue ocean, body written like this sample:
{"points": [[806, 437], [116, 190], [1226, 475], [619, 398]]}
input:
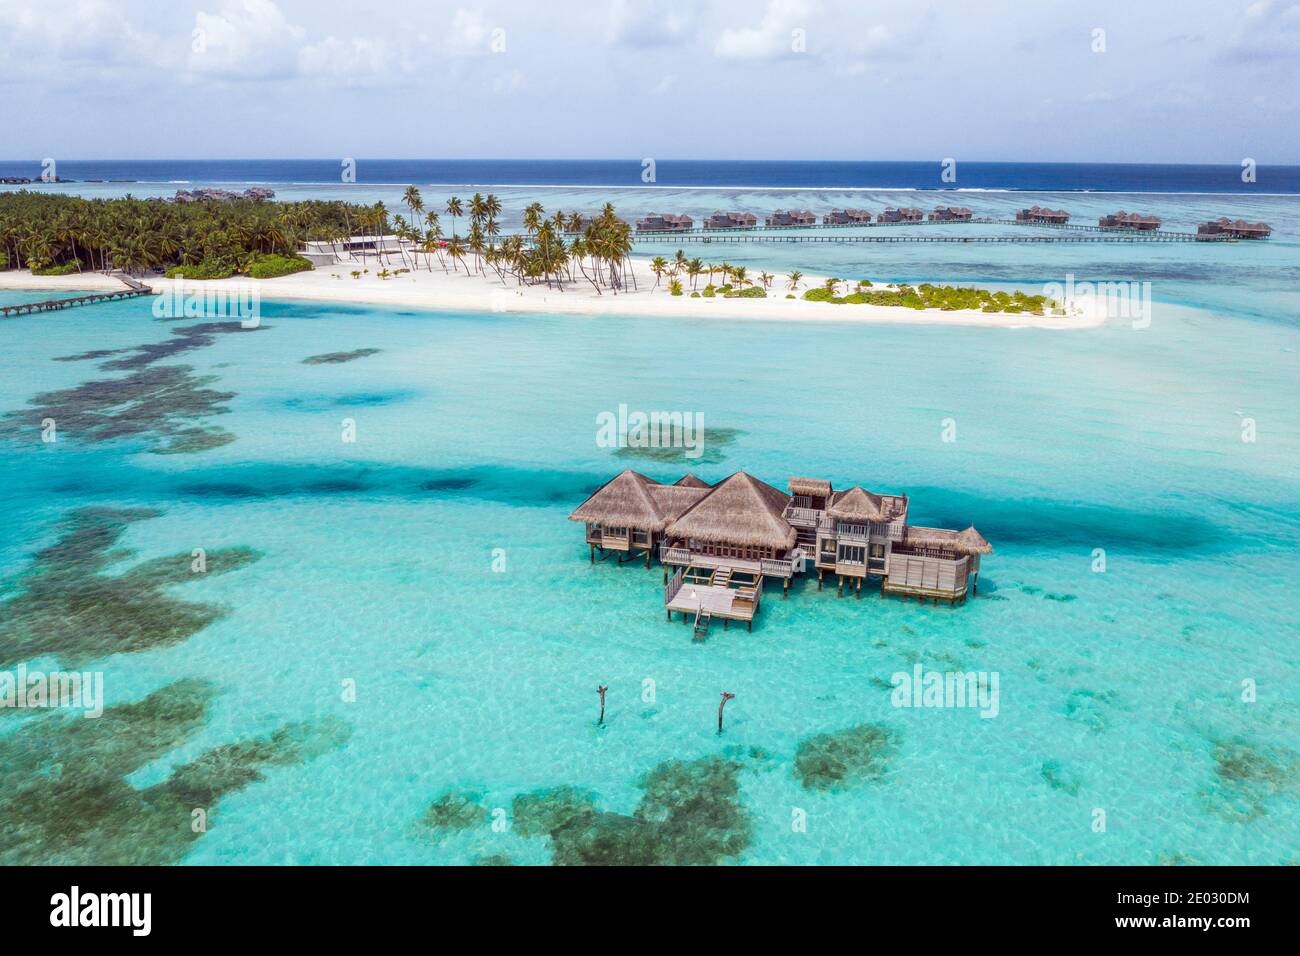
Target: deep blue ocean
{"points": [[1020, 177]]}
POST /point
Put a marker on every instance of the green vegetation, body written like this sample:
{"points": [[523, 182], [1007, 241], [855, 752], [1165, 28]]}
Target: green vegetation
{"points": [[273, 266], [44, 230], [62, 269], [943, 297], [202, 270]]}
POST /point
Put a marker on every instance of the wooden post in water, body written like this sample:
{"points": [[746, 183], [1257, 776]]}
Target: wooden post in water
{"points": [[600, 722], [723, 703]]}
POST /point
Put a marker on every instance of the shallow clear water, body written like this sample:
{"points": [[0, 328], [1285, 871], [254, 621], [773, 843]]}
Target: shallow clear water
{"points": [[477, 432]]}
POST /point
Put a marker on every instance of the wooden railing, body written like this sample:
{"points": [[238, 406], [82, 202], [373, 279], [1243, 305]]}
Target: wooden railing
{"points": [[674, 555], [800, 515], [782, 567], [673, 586]]}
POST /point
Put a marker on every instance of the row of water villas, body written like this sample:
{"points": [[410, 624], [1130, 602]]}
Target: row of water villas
{"points": [[1222, 228], [719, 544]]}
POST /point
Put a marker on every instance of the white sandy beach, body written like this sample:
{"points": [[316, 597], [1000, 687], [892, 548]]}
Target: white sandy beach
{"points": [[456, 291]]}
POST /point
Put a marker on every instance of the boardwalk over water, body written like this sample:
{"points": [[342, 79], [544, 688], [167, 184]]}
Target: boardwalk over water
{"points": [[834, 232], [134, 289]]}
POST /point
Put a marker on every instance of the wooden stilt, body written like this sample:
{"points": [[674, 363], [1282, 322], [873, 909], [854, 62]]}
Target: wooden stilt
{"points": [[819, 579], [592, 556], [840, 581]]}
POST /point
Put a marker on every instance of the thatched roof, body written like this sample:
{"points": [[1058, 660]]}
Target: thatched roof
{"points": [[858, 504], [672, 500], [740, 510], [623, 501], [969, 541], [810, 486], [690, 481], [974, 542]]}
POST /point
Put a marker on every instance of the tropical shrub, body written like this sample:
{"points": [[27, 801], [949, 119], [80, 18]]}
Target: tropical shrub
{"points": [[943, 297], [273, 266], [62, 269]]}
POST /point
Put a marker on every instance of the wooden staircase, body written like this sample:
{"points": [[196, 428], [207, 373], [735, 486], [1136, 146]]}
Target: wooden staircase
{"points": [[721, 578], [702, 620]]}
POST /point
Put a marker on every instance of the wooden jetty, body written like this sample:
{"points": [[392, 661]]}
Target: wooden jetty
{"points": [[134, 289], [720, 544]]}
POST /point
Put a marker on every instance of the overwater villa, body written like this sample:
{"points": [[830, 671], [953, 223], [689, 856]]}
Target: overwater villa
{"points": [[731, 220], [1129, 220], [846, 217], [795, 217], [951, 214], [901, 214], [719, 544], [667, 222], [1043, 216], [1225, 228]]}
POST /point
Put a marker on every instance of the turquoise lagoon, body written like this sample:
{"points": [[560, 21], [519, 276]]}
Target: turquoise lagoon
{"points": [[380, 565]]}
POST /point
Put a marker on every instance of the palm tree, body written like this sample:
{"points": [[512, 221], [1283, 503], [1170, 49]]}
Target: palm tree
{"points": [[454, 209], [831, 285], [658, 265], [693, 270], [456, 251], [413, 202], [766, 278], [793, 280]]}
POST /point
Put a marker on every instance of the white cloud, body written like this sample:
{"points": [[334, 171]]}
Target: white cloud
{"points": [[39, 36], [245, 39], [647, 23], [773, 37], [353, 61], [468, 34]]}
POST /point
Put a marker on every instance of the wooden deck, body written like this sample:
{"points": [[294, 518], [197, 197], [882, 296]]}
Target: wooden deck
{"points": [[134, 289]]}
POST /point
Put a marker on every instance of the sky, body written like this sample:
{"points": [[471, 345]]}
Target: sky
{"points": [[1182, 81]]}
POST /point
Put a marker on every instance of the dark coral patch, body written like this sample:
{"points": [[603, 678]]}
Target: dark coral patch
{"points": [[160, 405], [691, 814], [336, 358], [1248, 776], [163, 405], [714, 440], [65, 799], [65, 604], [855, 755], [542, 812], [455, 810], [1061, 778]]}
